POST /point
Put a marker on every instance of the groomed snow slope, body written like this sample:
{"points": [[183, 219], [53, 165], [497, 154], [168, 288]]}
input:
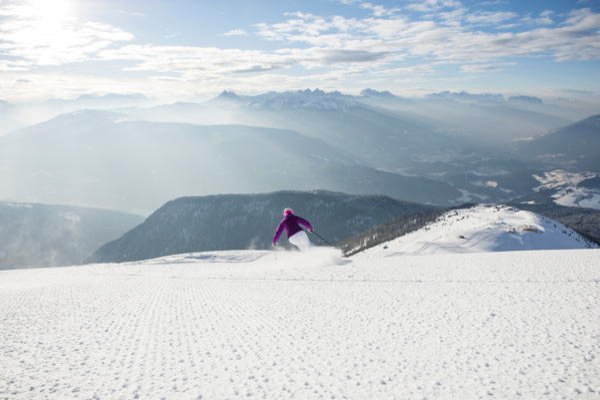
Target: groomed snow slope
{"points": [[484, 228], [257, 324]]}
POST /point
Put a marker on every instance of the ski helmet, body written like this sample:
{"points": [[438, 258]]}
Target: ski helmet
{"points": [[288, 211]]}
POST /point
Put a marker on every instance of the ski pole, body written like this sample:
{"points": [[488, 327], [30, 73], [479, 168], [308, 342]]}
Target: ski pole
{"points": [[321, 237]]}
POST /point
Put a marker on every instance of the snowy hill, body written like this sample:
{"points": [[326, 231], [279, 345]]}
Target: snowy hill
{"points": [[286, 325], [484, 228], [585, 221]]}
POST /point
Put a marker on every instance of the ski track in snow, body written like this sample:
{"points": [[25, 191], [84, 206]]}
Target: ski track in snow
{"points": [[305, 326]]}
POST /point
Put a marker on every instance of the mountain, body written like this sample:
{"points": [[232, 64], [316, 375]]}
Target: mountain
{"points": [[477, 118], [20, 115], [466, 96], [430, 137], [438, 137], [225, 222], [300, 99], [100, 159], [99, 101], [383, 94], [40, 235], [480, 228], [576, 145], [376, 137]]}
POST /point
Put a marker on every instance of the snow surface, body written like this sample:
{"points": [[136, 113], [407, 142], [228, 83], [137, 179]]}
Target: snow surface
{"points": [[278, 325], [566, 190], [483, 228], [578, 197]]}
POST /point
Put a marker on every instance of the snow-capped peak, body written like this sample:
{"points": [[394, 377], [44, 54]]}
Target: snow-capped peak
{"points": [[228, 95], [384, 94], [485, 228], [316, 99]]}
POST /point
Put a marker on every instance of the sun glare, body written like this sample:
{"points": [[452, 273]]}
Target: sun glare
{"points": [[54, 12], [48, 28]]}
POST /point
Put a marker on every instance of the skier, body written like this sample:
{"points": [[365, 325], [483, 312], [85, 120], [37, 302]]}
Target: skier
{"points": [[296, 235]]}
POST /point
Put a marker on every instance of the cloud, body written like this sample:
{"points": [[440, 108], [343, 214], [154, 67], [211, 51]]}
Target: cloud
{"points": [[454, 41], [204, 62], [352, 56], [378, 10], [544, 18], [380, 44], [172, 35], [433, 5], [10, 66], [236, 32], [31, 37], [478, 68], [489, 18], [253, 69]]}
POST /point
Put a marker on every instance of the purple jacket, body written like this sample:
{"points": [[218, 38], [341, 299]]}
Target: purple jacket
{"points": [[291, 223]]}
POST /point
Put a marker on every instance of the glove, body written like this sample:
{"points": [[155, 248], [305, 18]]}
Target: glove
{"points": [[274, 244]]}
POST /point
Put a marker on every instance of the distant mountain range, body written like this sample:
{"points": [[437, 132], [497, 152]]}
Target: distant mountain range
{"points": [[375, 137], [226, 222], [40, 235], [382, 131], [440, 149], [99, 159], [20, 115], [482, 118]]}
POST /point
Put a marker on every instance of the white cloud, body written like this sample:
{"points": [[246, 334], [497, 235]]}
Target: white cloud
{"points": [[378, 10], [478, 68], [489, 18], [35, 37], [576, 38], [236, 32], [11, 66], [433, 5], [208, 62], [383, 44], [544, 18]]}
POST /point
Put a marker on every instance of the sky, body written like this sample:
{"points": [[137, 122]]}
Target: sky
{"points": [[186, 50]]}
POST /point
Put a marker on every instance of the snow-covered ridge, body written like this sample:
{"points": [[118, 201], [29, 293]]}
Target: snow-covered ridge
{"points": [[300, 99], [485, 228]]}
